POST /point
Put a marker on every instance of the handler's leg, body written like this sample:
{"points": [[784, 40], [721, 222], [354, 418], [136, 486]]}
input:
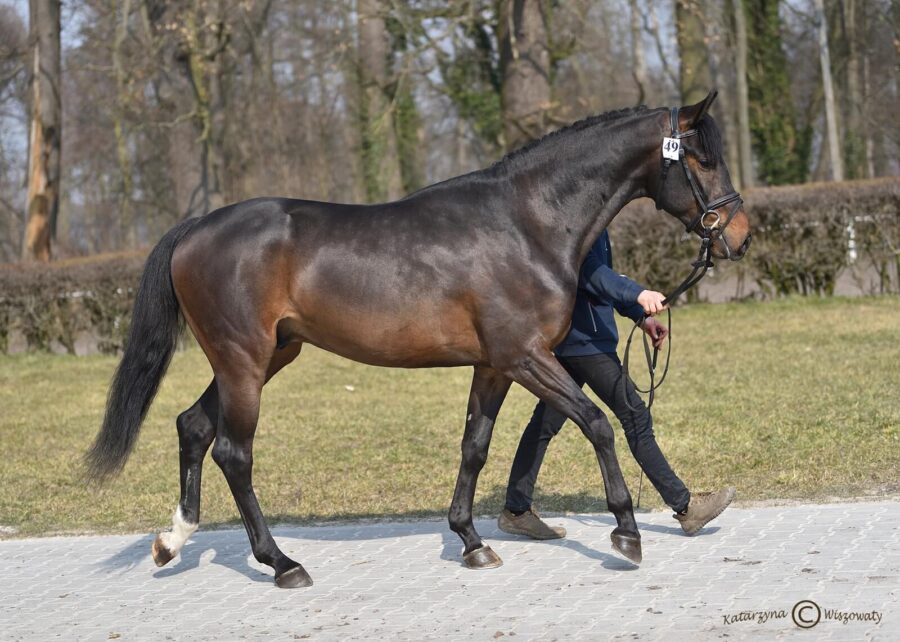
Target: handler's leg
{"points": [[545, 424], [603, 373], [518, 516], [489, 389], [540, 373]]}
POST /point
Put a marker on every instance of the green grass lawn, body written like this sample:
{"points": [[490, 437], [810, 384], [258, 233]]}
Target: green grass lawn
{"points": [[785, 399]]}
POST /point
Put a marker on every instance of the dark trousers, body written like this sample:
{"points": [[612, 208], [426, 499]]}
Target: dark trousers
{"points": [[602, 372]]}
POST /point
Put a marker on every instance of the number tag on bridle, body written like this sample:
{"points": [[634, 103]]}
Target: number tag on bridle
{"points": [[671, 147]]}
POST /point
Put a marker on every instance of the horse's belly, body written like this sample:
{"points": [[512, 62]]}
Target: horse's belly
{"points": [[411, 337]]}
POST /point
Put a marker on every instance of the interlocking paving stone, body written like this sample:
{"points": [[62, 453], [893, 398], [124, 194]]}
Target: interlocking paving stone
{"points": [[406, 581]]}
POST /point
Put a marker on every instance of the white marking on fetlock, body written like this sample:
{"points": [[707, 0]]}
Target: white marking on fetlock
{"points": [[181, 530]]}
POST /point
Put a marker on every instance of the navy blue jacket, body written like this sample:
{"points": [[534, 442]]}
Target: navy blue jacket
{"points": [[600, 290]]}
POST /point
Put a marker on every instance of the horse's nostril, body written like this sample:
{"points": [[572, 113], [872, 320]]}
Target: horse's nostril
{"points": [[736, 255]]}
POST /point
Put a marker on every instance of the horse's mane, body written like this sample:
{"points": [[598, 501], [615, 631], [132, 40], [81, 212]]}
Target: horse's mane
{"points": [[584, 123], [707, 131]]}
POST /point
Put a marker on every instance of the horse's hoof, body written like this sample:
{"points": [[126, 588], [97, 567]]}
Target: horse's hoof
{"points": [[628, 546], [296, 577], [161, 554], [483, 557]]}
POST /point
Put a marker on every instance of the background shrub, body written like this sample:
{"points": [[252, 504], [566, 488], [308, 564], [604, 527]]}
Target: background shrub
{"points": [[77, 306]]}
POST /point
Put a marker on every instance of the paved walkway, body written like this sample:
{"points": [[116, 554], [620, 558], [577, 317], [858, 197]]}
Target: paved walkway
{"points": [[738, 579]]}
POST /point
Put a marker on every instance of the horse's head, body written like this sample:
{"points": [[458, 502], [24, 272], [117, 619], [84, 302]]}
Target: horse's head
{"points": [[693, 182]]}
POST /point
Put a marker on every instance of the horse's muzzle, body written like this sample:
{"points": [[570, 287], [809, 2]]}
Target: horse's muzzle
{"points": [[742, 250]]}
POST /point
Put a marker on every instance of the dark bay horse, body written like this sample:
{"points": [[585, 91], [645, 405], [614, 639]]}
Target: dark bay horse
{"points": [[480, 270]]}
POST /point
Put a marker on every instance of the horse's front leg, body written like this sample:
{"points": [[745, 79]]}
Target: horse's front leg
{"points": [[489, 389]]}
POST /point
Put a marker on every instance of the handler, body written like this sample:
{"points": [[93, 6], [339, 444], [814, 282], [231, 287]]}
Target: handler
{"points": [[588, 353]]}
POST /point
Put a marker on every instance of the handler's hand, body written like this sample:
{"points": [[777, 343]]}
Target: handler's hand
{"points": [[652, 302], [656, 331]]}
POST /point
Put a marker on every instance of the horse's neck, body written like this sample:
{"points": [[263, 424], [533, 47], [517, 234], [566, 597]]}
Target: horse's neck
{"points": [[580, 183]]}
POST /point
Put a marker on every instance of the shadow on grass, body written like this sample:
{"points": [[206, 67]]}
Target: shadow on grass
{"points": [[231, 549]]}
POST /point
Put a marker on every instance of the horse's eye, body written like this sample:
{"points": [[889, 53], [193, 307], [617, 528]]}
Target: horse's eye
{"points": [[705, 163]]}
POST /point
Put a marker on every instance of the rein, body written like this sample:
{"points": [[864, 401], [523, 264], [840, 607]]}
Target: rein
{"points": [[708, 220]]}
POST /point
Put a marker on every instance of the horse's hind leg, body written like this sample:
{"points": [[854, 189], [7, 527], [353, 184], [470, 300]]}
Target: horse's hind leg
{"points": [[196, 431], [240, 385], [489, 389], [541, 374]]}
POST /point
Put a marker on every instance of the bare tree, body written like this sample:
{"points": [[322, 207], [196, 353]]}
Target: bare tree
{"points": [[525, 69], [834, 145], [46, 126], [854, 145], [696, 78], [637, 52], [121, 14], [13, 76], [381, 162], [719, 35], [743, 103]]}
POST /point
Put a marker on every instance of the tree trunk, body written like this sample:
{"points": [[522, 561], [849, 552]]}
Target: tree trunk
{"points": [[637, 53], [854, 145], [205, 46], [525, 71], [834, 146], [46, 126], [121, 13], [781, 149], [696, 79], [867, 91], [721, 59], [743, 109], [380, 158], [407, 121]]}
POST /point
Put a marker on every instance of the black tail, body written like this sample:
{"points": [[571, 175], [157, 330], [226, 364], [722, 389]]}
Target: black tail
{"points": [[156, 323]]}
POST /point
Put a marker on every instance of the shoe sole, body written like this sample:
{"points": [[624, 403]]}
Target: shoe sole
{"points": [[729, 499]]}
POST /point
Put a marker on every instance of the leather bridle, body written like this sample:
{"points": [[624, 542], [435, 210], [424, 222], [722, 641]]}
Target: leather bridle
{"points": [[707, 221], [707, 224]]}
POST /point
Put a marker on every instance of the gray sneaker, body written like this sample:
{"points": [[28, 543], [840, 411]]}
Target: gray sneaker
{"points": [[704, 508], [529, 524]]}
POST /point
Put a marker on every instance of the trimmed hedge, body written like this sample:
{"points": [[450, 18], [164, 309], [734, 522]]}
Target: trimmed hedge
{"points": [[79, 306], [801, 237], [800, 245], [805, 232]]}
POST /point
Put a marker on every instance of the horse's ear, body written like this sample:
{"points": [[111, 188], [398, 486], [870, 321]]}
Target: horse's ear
{"points": [[692, 114]]}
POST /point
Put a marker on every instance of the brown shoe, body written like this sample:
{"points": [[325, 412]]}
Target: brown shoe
{"points": [[528, 524], [704, 508]]}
